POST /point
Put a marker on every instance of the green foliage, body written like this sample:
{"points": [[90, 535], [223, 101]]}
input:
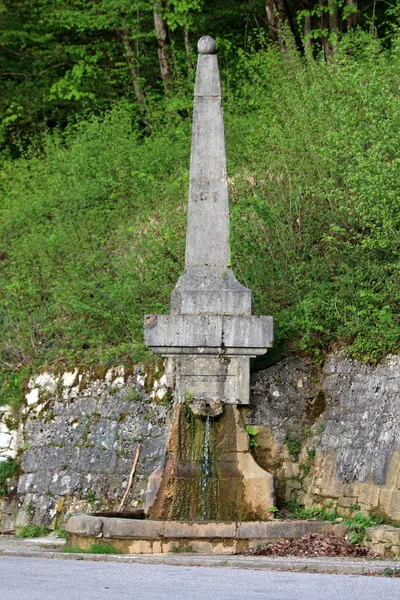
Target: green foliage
{"points": [[90, 248], [357, 525], [60, 533], [305, 468], [389, 572], [12, 388], [252, 432], [132, 395], [101, 548], [311, 453], [296, 511], [90, 497], [357, 522], [30, 531], [62, 61], [293, 445], [92, 225], [7, 469], [181, 548], [314, 201]]}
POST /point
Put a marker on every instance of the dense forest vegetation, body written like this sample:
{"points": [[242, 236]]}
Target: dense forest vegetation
{"points": [[95, 125]]}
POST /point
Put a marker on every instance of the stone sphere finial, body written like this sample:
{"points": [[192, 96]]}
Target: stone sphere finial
{"points": [[206, 45]]}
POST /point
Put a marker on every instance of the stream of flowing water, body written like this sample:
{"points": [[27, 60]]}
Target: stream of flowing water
{"points": [[205, 470]]}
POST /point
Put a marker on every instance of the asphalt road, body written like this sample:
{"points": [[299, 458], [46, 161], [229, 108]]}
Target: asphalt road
{"points": [[42, 579]]}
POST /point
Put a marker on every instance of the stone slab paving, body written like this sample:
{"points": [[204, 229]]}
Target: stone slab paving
{"points": [[50, 547]]}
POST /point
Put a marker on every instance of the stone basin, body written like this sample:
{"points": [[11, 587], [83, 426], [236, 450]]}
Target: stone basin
{"points": [[138, 536]]}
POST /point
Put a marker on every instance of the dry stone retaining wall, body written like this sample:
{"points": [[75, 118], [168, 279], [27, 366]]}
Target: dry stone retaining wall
{"points": [[331, 434], [327, 435], [77, 439]]}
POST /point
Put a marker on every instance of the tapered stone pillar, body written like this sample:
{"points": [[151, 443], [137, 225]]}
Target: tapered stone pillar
{"points": [[210, 334], [208, 339]]}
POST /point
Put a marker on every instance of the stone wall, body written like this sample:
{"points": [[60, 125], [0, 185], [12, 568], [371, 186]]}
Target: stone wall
{"points": [[330, 433], [77, 439]]}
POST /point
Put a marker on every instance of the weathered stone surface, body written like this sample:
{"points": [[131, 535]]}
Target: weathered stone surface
{"points": [[274, 530], [132, 529], [384, 539], [210, 290], [210, 310], [221, 483], [79, 442], [138, 536], [85, 525], [206, 45], [258, 486], [8, 438], [222, 378], [341, 426], [241, 334], [194, 530], [287, 402]]}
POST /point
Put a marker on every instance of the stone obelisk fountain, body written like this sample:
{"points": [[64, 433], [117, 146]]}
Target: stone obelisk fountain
{"points": [[209, 473], [208, 339]]}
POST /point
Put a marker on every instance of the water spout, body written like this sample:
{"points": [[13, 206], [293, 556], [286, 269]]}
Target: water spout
{"points": [[204, 408]]}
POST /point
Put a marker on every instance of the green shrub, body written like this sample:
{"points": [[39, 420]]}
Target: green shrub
{"points": [[104, 548], [315, 216], [92, 230], [30, 531], [8, 468]]}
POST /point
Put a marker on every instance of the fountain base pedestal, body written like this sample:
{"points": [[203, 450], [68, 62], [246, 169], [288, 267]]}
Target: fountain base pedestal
{"points": [[209, 472]]}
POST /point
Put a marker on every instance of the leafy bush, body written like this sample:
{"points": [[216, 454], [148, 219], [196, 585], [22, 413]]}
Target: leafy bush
{"points": [[7, 470], [92, 230], [315, 219], [30, 531], [104, 548], [90, 247]]}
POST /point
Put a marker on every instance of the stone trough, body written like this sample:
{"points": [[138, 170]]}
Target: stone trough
{"points": [[133, 536]]}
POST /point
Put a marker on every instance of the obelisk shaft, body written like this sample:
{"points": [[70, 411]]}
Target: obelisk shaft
{"points": [[210, 333], [207, 239]]}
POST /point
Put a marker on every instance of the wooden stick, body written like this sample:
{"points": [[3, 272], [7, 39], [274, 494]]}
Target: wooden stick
{"points": [[132, 473]]}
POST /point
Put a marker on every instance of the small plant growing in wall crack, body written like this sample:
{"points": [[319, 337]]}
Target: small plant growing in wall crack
{"points": [[305, 469], [183, 548], [311, 453], [132, 395], [357, 525], [8, 468], [189, 397], [252, 433], [293, 445], [90, 497]]}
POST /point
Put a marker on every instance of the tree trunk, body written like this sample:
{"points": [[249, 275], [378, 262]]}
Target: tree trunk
{"points": [[352, 19], [326, 47], [161, 29], [188, 50], [333, 15], [272, 21], [307, 39], [278, 15], [134, 71]]}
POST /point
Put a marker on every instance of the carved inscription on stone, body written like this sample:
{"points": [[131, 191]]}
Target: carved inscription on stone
{"points": [[204, 196]]}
